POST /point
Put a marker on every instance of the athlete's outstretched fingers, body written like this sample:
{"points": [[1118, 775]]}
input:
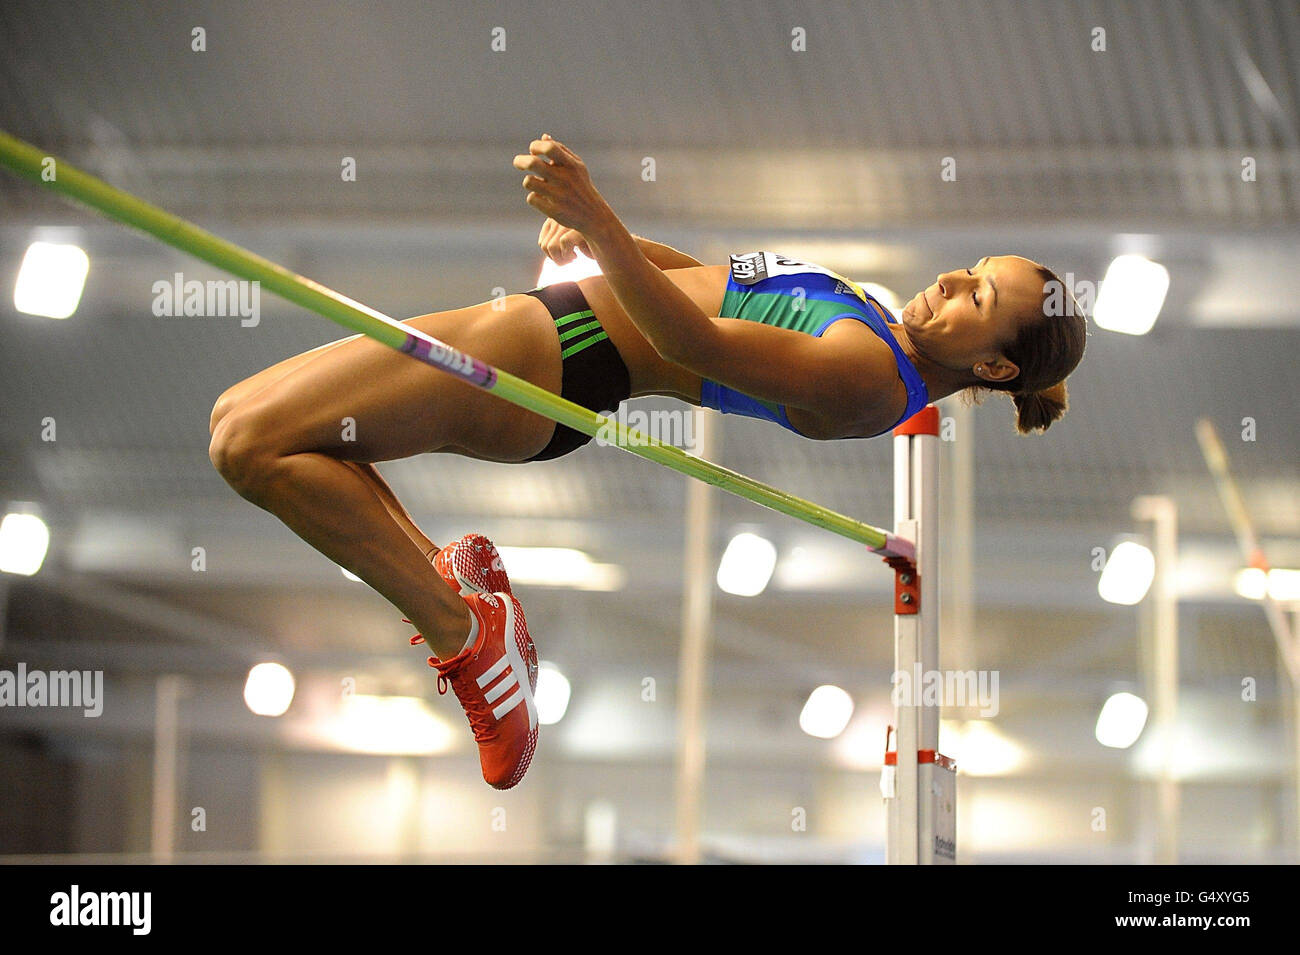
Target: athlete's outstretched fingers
{"points": [[544, 237], [557, 152], [564, 246], [545, 149], [562, 243], [535, 165], [539, 191]]}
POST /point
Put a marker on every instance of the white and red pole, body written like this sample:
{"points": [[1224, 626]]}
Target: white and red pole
{"points": [[918, 783]]}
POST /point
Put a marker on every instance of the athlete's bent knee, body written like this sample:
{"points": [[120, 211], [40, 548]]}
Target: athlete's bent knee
{"points": [[223, 406], [239, 455]]}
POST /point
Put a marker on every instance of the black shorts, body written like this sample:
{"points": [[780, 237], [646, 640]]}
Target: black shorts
{"points": [[592, 371]]}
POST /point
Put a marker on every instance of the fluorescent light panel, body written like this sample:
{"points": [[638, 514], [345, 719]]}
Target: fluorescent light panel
{"points": [[552, 694], [580, 268], [1128, 574], [24, 540], [391, 726], [1131, 295], [560, 567], [1121, 720], [826, 712], [51, 279], [1280, 583], [746, 565], [268, 691]]}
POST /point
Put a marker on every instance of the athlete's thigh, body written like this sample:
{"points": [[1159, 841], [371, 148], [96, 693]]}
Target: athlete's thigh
{"points": [[237, 393], [363, 401]]}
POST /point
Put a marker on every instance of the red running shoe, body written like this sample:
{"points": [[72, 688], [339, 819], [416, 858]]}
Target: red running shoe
{"points": [[495, 681], [471, 565]]}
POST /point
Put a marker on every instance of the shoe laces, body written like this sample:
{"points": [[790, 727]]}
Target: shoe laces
{"points": [[478, 719], [417, 640], [476, 708], [432, 661]]}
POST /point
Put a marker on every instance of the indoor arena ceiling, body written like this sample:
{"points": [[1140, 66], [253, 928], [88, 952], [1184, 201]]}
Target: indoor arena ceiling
{"points": [[834, 154], [1147, 134]]}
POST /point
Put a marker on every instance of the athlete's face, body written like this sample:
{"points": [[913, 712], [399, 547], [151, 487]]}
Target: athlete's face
{"points": [[964, 318]]}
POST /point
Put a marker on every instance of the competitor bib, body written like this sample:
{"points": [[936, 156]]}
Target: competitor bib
{"points": [[753, 267]]}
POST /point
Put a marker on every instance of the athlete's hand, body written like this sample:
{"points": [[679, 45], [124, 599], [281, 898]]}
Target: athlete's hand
{"points": [[561, 244], [560, 188]]}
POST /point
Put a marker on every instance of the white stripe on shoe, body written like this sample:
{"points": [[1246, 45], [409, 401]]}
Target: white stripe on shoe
{"points": [[508, 668], [511, 703], [508, 683], [525, 694], [492, 672]]}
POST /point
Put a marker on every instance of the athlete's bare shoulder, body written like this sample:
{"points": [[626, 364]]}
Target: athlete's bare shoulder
{"points": [[881, 395]]}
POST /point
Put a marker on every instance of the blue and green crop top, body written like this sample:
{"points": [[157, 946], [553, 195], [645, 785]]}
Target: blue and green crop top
{"points": [[772, 289]]}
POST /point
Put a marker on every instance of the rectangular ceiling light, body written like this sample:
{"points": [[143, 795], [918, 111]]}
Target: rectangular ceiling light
{"points": [[1131, 295], [560, 567], [51, 279]]}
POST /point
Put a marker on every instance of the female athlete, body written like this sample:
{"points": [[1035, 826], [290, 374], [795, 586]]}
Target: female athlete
{"points": [[762, 335]]}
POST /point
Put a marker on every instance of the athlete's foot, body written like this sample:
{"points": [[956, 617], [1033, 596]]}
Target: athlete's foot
{"points": [[469, 565], [472, 565], [494, 680]]}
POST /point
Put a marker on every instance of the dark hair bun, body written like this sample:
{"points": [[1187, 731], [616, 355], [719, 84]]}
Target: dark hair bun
{"points": [[1037, 410]]}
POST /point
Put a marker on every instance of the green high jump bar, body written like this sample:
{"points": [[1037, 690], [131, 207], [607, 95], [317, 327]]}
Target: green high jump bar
{"points": [[72, 183]]}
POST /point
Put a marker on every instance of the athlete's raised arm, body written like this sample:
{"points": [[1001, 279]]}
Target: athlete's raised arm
{"points": [[665, 256], [561, 245], [773, 364]]}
